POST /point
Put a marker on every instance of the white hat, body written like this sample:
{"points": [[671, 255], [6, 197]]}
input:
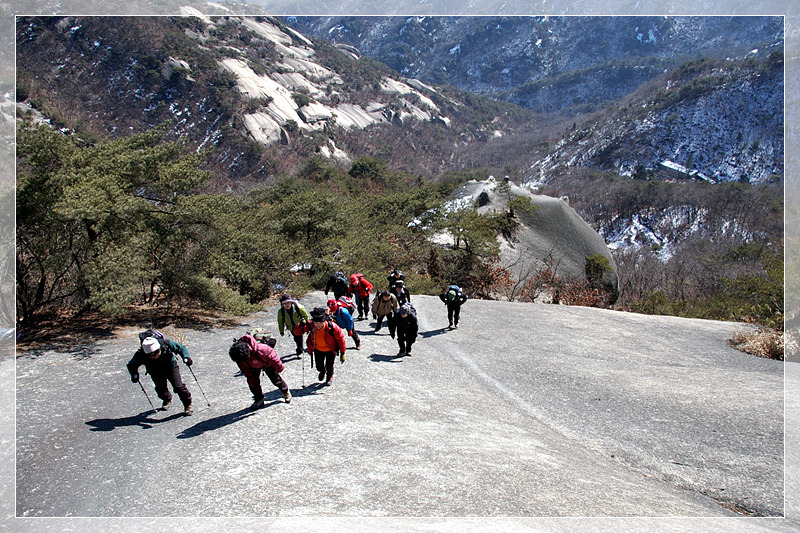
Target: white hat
{"points": [[150, 345]]}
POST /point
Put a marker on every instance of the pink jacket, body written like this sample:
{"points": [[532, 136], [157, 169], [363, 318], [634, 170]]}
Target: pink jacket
{"points": [[261, 356]]}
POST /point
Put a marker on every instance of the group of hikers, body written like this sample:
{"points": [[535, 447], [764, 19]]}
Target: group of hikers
{"points": [[325, 329]]}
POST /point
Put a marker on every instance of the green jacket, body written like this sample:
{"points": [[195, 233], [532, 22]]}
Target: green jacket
{"points": [[288, 319]]}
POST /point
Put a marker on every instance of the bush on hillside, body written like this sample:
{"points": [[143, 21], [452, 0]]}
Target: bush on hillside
{"points": [[763, 342]]}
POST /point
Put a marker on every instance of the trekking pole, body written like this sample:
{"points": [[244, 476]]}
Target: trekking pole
{"points": [[147, 396], [198, 385], [304, 370]]}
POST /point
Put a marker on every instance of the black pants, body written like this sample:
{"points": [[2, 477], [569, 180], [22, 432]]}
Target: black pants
{"points": [[254, 382], [362, 305], [453, 312], [298, 340], [172, 376], [405, 340], [324, 362], [389, 322]]}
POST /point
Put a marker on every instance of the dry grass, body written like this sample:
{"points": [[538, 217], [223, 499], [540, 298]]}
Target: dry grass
{"points": [[763, 342], [60, 331]]}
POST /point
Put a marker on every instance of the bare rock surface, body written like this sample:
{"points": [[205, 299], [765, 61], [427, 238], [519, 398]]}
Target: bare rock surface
{"points": [[526, 413]]}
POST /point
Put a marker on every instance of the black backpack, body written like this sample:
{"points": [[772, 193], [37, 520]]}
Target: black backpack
{"points": [[150, 333]]}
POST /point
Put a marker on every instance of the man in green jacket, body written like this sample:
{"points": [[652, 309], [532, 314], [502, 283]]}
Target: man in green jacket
{"points": [[159, 357], [290, 314]]}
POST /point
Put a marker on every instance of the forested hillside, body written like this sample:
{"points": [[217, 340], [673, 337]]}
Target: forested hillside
{"points": [[222, 160]]}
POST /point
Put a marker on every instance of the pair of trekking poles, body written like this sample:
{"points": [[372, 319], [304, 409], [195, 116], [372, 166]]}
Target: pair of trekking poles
{"points": [[139, 381]]}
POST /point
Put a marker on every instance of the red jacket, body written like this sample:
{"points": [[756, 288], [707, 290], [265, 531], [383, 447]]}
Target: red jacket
{"points": [[334, 335], [362, 289], [261, 356]]}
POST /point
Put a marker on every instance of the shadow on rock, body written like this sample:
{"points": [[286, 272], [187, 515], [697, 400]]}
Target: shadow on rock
{"points": [[215, 423], [142, 420], [291, 357], [386, 358], [432, 333]]}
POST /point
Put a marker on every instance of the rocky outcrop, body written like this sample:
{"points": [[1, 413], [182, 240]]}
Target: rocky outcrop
{"points": [[552, 234]]}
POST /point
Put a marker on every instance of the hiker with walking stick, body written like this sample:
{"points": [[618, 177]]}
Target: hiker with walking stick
{"points": [[325, 341], [159, 357]]}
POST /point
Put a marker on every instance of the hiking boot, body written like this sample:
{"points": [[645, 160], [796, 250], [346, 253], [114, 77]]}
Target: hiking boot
{"points": [[299, 351], [188, 410], [329, 381], [165, 404], [257, 404], [321, 375], [455, 327], [287, 397]]}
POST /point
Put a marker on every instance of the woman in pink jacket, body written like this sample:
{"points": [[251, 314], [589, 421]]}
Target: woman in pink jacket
{"points": [[252, 357]]}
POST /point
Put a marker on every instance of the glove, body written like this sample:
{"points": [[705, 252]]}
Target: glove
{"points": [[341, 357], [134, 378], [188, 361]]}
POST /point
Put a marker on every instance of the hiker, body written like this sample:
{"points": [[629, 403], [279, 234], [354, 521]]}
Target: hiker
{"points": [[359, 289], [158, 355], [406, 326], [401, 292], [341, 315], [453, 298], [290, 314], [383, 306], [395, 276], [252, 357], [338, 284], [325, 340]]}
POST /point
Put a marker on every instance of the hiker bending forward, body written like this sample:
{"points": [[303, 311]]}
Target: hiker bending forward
{"points": [[252, 357], [407, 328], [453, 298], [383, 306], [341, 315], [325, 340], [159, 359]]}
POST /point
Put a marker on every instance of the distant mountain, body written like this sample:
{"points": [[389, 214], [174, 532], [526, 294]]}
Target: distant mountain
{"points": [[545, 63], [258, 95], [265, 101]]}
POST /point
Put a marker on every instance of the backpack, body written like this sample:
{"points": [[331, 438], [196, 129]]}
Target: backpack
{"points": [[150, 333], [263, 336], [348, 304]]}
